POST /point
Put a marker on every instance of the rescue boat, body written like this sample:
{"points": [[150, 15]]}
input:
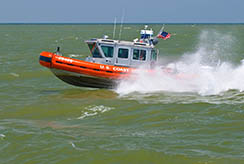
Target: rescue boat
{"points": [[110, 62]]}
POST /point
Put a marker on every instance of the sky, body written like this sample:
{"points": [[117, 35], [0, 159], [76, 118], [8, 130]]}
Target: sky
{"points": [[135, 11]]}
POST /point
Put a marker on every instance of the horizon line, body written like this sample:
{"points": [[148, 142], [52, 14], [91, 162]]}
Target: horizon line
{"points": [[108, 23]]}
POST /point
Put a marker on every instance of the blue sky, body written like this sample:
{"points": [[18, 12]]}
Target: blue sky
{"points": [[104, 11]]}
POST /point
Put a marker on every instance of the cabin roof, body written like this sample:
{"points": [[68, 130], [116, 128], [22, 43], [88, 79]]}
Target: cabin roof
{"points": [[120, 43]]}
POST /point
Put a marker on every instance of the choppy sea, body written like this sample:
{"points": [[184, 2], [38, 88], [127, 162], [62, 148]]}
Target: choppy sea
{"points": [[195, 119]]}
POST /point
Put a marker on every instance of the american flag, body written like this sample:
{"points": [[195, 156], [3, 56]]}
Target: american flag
{"points": [[164, 35]]}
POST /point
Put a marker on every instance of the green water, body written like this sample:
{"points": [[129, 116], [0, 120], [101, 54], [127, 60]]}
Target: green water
{"points": [[44, 120]]}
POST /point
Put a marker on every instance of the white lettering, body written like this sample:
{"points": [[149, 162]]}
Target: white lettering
{"points": [[65, 59], [120, 69]]}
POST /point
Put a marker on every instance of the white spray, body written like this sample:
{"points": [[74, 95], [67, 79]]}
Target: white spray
{"points": [[206, 72]]}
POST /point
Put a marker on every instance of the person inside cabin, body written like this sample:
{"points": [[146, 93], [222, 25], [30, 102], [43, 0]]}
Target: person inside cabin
{"points": [[143, 55]]}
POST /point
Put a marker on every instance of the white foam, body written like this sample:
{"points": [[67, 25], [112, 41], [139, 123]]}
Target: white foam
{"points": [[207, 71], [87, 114], [2, 136], [73, 145], [94, 110], [74, 55], [14, 74]]}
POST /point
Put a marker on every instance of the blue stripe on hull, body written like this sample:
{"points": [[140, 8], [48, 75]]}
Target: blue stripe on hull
{"points": [[46, 59]]}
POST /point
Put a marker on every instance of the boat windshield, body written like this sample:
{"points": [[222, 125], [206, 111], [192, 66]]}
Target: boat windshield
{"points": [[94, 50]]}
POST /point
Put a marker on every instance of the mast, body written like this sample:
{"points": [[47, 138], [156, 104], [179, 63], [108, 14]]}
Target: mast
{"points": [[121, 25]]}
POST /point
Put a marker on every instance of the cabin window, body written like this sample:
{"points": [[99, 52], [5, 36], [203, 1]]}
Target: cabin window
{"points": [[94, 50], [154, 55], [123, 53], [108, 51], [139, 54]]}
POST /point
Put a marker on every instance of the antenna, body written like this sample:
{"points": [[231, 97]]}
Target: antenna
{"points": [[114, 27], [121, 25]]}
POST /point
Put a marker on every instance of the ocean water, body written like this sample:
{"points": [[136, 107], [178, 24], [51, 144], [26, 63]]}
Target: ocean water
{"points": [[196, 118]]}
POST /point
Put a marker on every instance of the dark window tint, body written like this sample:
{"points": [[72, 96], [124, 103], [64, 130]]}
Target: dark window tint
{"points": [[108, 51], [136, 54], [139, 54], [94, 50], [153, 55], [123, 53]]}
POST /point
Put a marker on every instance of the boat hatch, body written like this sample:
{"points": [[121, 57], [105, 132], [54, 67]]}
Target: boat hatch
{"points": [[123, 56], [140, 44], [110, 41]]}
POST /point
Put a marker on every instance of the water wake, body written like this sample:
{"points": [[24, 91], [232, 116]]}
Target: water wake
{"points": [[208, 71]]}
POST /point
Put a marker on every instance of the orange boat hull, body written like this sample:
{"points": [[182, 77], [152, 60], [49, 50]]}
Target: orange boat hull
{"points": [[82, 73]]}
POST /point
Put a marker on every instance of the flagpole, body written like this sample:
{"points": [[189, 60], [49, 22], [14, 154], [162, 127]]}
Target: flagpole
{"points": [[161, 30]]}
